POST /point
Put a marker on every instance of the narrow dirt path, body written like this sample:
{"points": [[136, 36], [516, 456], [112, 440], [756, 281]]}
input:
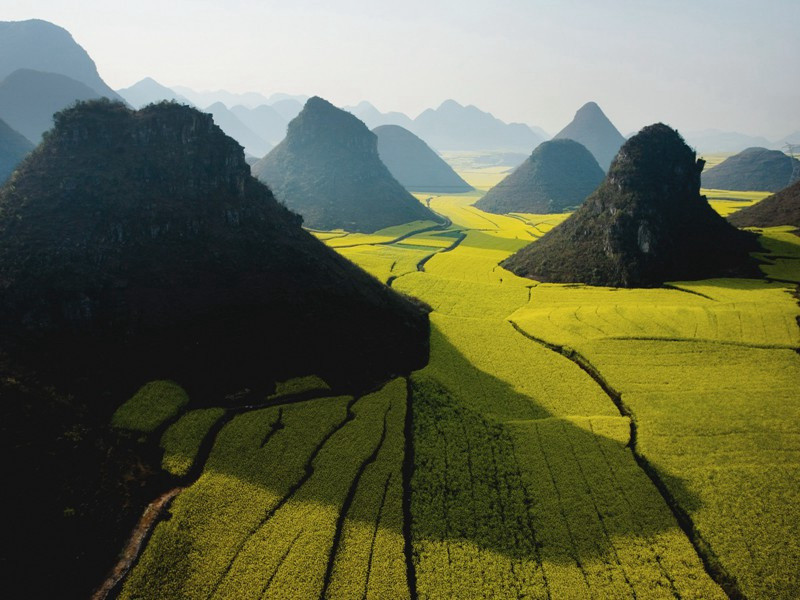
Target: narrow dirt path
{"points": [[136, 543]]}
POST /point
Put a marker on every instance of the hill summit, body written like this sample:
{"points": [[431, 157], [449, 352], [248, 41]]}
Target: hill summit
{"points": [[591, 127], [753, 169], [646, 224], [778, 209], [557, 176], [414, 164], [140, 238], [328, 170], [43, 46]]}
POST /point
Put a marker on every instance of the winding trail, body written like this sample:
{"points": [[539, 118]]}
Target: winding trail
{"points": [[136, 542]]}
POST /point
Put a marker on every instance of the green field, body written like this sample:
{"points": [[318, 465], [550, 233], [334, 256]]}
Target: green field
{"points": [[564, 441]]}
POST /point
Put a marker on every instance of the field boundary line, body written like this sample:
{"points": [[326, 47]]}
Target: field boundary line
{"points": [[703, 550]]}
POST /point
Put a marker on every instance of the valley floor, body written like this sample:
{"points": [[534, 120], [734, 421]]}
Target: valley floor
{"points": [[565, 441]]}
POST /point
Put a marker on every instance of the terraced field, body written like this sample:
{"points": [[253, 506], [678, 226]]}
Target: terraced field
{"points": [[563, 442]]}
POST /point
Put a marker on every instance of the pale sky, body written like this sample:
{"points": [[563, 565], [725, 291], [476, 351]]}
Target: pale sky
{"points": [[726, 64]]}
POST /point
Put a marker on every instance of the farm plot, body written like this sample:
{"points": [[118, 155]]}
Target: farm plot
{"points": [[710, 377], [508, 495], [286, 500]]}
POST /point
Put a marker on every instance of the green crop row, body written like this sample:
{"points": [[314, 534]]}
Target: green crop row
{"points": [[266, 518], [182, 439], [153, 405]]}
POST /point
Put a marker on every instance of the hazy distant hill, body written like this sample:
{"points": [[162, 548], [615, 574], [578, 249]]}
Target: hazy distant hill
{"points": [[557, 176], [373, 118], [13, 148], [412, 162], [591, 127], [233, 126], [43, 46], [288, 108], [328, 170], [207, 98], [782, 208], [456, 127], [646, 224], [149, 91], [264, 121], [29, 98], [756, 169], [714, 140]]}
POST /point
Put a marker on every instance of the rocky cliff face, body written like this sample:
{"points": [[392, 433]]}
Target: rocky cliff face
{"points": [[646, 224], [557, 176], [328, 170], [143, 235]]}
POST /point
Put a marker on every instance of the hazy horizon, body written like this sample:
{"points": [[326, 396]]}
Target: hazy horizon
{"points": [[696, 66]]}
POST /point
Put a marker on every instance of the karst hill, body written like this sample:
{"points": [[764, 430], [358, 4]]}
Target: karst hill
{"points": [[328, 170], [557, 176], [646, 224], [140, 240], [753, 169], [778, 209], [592, 128], [414, 164]]}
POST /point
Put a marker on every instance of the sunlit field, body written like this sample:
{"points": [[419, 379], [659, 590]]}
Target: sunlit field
{"points": [[565, 441]]}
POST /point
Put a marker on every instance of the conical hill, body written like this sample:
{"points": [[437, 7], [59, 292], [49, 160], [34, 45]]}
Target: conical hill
{"points": [[557, 176], [592, 128], [646, 224], [414, 164], [328, 170], [753, 169]]}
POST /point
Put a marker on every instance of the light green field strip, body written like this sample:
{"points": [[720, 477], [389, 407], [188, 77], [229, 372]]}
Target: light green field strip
{"points": [[379, 237], [154, 404], [749, 312], [712, 160], [263, 518], [385, 262], [369, 561], [300, 385], [182, 439]]}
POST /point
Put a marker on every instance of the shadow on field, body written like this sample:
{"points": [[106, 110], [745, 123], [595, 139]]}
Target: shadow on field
{"points": [[513, 480]]}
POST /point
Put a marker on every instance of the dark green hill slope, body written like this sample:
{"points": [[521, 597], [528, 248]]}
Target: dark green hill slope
{"points": [[646, 224], [557, 176], [328, 170], [753, 169], [143, 234], [28, 100], [13, 148], [412, 162], [591, 127], [43, 46], [782, 208]]}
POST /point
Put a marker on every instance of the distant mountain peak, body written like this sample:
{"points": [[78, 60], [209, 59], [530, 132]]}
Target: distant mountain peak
{"points": [[592, 128], [44, 46], [328, 169]]}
